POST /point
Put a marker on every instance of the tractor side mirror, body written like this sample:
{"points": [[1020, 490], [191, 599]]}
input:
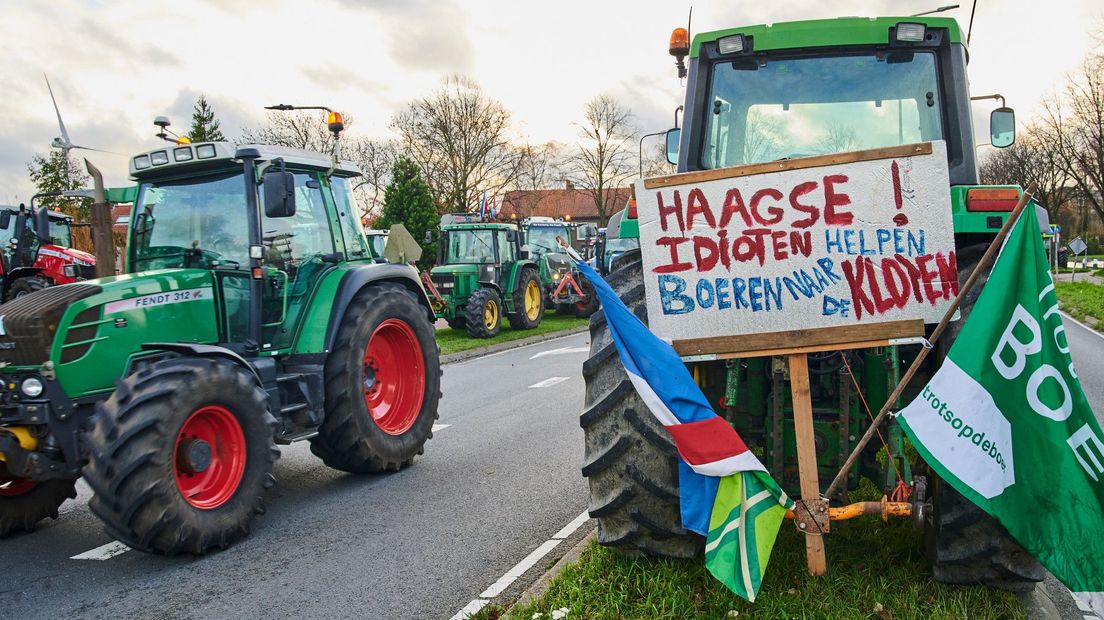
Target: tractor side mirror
{"points": [[673, 138], [511, 236], [1002, 127], [428, 237], [5, 219], [279, 193], [42, 224]]}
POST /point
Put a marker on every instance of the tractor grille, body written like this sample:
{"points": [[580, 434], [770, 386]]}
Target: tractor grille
{"points": [[445, 283], [30, 322], [86, 272]]}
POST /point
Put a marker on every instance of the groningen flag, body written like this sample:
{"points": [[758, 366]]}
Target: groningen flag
{"points": [[725, 493], [1005, 422]]}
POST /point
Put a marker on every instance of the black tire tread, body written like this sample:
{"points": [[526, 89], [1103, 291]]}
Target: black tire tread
{"points": [[473, 313], [518, 319]]}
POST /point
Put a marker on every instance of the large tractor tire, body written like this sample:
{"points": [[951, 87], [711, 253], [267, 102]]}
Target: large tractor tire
{"points": [[630, 461], [383, 383], [26, 286], [966, 545], [23, 502], [457, 323], [528, 301], [181, 456], [483, 313], [589, 305]]}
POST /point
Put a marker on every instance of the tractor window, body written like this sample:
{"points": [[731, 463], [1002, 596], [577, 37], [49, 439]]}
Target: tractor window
{"points": [[196, 223], [542, 239], [466, 245], [349, 212], [507, 250], [798, 107], [60, 235]]}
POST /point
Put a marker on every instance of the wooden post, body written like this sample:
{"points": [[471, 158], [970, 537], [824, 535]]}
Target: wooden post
{"points": [[103, 242], [806, 455]]}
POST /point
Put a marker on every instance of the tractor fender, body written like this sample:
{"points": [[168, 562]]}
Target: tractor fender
{"points": [[356, 279], [203, 350], [20, 272]]}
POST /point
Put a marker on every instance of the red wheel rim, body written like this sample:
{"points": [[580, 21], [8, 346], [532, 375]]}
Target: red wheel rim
{"points": [[394, 377], [10, 486], [208, 483]]}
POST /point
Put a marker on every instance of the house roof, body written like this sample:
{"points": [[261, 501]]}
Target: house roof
{"points": [[558, 203]]}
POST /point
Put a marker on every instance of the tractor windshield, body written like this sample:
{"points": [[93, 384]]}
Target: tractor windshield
{"points": [[542, 239], [60, 234], [469, 245], [191, 223], [780, 108]]}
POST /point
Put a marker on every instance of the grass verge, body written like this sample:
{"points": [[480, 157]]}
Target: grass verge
{"points": [[456, 340], [1082, 300], [876, 570]]}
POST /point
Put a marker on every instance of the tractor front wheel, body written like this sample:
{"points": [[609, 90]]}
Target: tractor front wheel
{"points": [[23, 502], [630, 461], [528, 301], [383, 383], [181, 456], [589, 304], [26, 286], [484, 313]]}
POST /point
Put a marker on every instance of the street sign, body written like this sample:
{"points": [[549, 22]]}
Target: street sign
{"points": [[1078, 246]]}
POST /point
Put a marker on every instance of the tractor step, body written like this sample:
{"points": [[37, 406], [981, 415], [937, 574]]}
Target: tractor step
{"points": [[287, 438]]}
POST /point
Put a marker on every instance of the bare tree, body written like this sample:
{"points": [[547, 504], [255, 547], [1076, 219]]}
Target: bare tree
{"points": [[459, 138], [654, 162], [538, 170], [375, 158], [604, 159], [295, 129], [1074, 127], [839, 138], [1032, 159]]}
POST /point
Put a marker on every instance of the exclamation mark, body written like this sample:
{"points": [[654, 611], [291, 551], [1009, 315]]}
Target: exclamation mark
{"points": [[900, 219]]}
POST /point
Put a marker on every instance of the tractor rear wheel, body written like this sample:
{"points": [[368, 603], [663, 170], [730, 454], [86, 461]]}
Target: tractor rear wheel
{"points": [[965, 544], [383, 383], [528, 301], [181, 456], [26, 286], [23, 502], [630, 461], [483, 313]]}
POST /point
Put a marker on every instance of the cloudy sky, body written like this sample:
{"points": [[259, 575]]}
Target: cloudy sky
{"points": [[114, 66]]}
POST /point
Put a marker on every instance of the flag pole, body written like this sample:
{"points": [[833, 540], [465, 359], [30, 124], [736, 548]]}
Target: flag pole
{"points": [[986, 258]]}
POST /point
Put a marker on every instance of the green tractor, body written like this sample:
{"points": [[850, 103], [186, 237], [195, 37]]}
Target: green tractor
{"points": [[767, 93], [483, 271], [564, 288], [251, 314]]}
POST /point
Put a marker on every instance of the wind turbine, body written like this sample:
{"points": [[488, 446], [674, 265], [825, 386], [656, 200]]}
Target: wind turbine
{"points": [[63, 142]]}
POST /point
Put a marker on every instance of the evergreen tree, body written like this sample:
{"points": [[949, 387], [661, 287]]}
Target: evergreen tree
{"points": [[54, 173], [407, 201], [205, 127]]}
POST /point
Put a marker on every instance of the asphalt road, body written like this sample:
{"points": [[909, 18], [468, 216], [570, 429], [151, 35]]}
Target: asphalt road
{"points": [[497, 482], [494, 485]]}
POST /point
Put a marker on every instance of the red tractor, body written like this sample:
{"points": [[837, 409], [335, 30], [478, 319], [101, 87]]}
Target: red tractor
{"points": [[36, 251]]}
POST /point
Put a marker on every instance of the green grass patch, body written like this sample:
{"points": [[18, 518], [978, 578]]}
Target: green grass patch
{"points": [[1081, 300], [876, 570], [456, 340]]}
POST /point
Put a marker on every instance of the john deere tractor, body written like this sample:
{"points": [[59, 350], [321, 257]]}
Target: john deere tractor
{"points": [[252, 315], [483, 271], [767, 93], [564, 288]]}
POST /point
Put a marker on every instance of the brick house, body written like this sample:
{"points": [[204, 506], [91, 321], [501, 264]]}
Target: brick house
{"points": [[569, 203]]}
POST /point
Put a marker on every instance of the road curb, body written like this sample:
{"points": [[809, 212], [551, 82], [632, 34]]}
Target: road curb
{"points": [[541, 585], [463, 356]]}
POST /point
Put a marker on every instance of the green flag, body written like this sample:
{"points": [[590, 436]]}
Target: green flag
{"points": [[1006, 423], [747, 513]]}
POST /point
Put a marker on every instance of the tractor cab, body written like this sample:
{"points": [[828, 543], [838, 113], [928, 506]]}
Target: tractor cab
{"points": [[36, 251], [484, 271]]}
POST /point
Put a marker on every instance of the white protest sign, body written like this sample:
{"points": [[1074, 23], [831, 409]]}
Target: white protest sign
{"points": [[827, 241]]}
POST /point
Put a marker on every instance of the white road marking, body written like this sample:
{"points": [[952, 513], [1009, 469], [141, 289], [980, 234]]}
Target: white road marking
{"points": [[519, 569], [549, 382], [103, 552], [525, 346], [1082, 605], [470, 609], [440, 427], [1087, 328], [570, 528], [561, 351]]}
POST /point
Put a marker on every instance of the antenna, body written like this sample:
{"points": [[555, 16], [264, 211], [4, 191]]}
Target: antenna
{"points": [[939, 10], [970, 28]]}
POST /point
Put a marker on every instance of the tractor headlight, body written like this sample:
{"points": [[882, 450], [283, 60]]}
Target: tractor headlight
{"points": [[70, 271], [913, 33], [32, 387]]}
